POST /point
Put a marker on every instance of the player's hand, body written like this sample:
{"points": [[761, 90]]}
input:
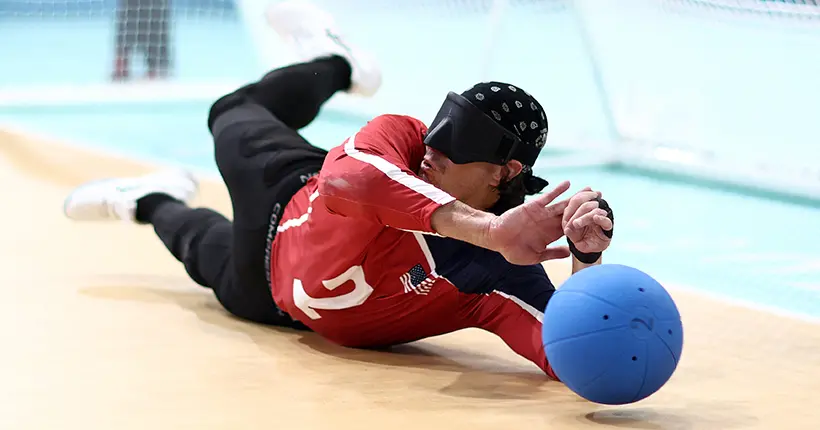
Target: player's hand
{"points": [[584, 222], [522, 234]]}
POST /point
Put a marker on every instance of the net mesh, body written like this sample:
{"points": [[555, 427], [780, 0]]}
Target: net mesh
{"points": [[78, 42], [722, 89]]}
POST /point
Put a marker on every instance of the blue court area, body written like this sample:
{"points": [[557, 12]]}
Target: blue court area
{"points": [[689, 85]]}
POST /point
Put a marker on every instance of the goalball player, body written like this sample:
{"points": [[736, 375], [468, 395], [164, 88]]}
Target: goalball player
{"points": [[399, 233]]}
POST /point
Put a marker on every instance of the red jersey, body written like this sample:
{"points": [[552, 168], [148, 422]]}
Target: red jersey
{"points": [[355, 257]]}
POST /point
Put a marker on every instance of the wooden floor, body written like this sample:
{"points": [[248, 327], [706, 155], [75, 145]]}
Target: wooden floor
{"points": [[101, 329]]}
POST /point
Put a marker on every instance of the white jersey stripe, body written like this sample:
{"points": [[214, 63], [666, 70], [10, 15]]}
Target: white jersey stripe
{"points": [[524, 305], [296, 222], [396, 174], [426, 251]]}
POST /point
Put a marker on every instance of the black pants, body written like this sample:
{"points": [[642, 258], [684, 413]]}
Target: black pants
{"points": [[264, 162]]}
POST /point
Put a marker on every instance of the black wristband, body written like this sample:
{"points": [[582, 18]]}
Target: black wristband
{"points": [[583, 257], [592, 257]]}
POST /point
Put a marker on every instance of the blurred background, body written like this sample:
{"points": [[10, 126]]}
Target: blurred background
{"points": [[698, 119]]}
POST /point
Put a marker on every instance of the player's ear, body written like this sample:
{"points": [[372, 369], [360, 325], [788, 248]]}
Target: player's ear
{"points": [[506, 172], [513, 169]]}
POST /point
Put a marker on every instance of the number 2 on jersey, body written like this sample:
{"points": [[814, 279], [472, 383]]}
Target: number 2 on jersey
{"points": [[361, 291]]}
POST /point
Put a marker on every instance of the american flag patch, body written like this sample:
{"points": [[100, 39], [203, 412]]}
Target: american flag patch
{"points": [[417, 280]]}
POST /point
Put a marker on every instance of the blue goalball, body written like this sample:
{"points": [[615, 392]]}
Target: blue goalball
{"points": [[612, 334]]}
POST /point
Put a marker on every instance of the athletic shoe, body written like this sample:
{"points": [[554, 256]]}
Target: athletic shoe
{"points": [[312, 33], [116, 198]]}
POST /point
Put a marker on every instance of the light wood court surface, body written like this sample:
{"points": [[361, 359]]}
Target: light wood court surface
{"points": [[101, 329]]}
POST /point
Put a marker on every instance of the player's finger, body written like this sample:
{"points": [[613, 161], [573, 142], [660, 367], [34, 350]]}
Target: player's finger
{"points": [[580, 223], [584, 221], [551, 213], [555, 209], [554, 253], [603, 221], [582, 210], [540, 208], [548, 197], [576, 201]]}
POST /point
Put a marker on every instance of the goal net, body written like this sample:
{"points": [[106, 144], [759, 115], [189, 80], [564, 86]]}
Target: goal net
{"points": [[75, 51], [721, 89]]}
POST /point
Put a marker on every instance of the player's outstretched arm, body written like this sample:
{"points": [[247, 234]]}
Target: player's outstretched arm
{"points": [[522, 235]]}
